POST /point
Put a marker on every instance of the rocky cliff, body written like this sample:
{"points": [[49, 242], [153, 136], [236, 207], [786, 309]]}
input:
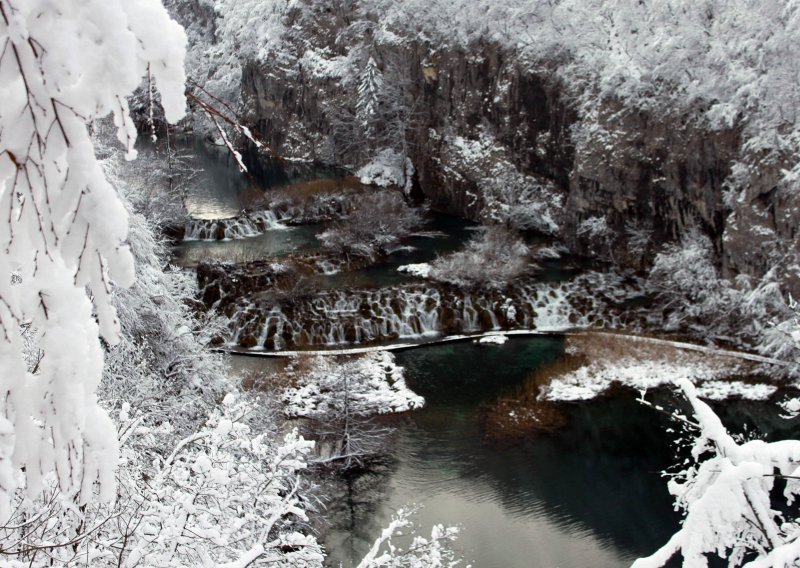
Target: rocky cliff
{"points": [[479, 123]]}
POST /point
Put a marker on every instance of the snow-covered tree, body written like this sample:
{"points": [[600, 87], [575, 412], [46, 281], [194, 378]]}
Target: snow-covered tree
{"points": [[494, 258], [520, 201], [226, 495], [694, 297], [377, 222], [369, 94], [376, 385], [161, 367], [62, 66], [341, 397], [739, 498]]}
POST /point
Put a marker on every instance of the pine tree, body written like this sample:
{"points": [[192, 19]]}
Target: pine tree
{"points": [[369, 92]]}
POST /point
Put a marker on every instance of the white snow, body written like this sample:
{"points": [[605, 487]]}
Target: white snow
{"points": [[495, 339], [727, 494], [373, 384], [706, 367], [422, 269], [387, 168], [721, 390], [63, 66]]}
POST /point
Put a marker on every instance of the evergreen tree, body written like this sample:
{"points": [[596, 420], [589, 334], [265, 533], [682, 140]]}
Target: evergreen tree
{"points": [[369, 92]]}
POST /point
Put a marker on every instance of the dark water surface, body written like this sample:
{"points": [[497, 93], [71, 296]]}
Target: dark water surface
{"points": [[588, 496], [220, 191]]}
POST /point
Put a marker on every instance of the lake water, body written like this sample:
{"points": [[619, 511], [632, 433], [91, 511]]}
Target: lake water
{"points": [[590, 495]]}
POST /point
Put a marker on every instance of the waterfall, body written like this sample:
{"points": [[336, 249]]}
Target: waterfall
{"points": [[368, 316], [200, 230], [248, 224]]}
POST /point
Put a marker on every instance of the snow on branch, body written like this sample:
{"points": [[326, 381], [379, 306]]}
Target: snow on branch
{"points": [[220, 113], [729, 495], [64, 229], [434, 552]]}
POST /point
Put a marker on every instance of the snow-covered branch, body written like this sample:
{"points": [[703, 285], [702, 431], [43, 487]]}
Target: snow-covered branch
{"points": [[64, 228], [729, 495]]}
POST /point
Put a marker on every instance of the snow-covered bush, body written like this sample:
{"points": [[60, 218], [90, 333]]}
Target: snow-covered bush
{"points": [[739, 499], [696, 299], [596, 234], [378, 220], [504, 194], [781, 337], [688, 287], [520, 201], [159, 180], [494, 258], [225, 495]]}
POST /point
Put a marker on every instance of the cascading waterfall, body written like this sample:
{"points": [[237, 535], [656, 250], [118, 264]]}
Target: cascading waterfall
{"points": [[366, 316], [249, 224]]}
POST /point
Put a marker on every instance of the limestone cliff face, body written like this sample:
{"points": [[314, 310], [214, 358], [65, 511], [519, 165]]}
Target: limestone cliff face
{"points": [[456, 94], [655, 175], [620, 173], [467, 95]]}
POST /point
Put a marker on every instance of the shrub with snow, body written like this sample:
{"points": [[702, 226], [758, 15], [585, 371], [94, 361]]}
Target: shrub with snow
{"points": [[520, 201], [492, 259], [340, 397], [378, 221]]}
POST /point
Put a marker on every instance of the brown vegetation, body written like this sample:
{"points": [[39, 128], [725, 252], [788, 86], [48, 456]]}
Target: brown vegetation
{"points": [[306, 194], [523, 413], [267, 381], [610, 347]]}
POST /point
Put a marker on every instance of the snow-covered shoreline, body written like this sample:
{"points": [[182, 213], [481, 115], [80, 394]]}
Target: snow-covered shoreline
{"points": [[710, 368], [603, 360]]}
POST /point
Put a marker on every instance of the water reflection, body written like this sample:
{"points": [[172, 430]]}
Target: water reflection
{"points": [[271, 244], [220, 191], [588, 496]]}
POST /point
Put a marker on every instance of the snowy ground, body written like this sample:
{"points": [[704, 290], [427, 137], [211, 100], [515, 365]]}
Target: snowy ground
{"points": [[645, 363], [594, 379]]}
